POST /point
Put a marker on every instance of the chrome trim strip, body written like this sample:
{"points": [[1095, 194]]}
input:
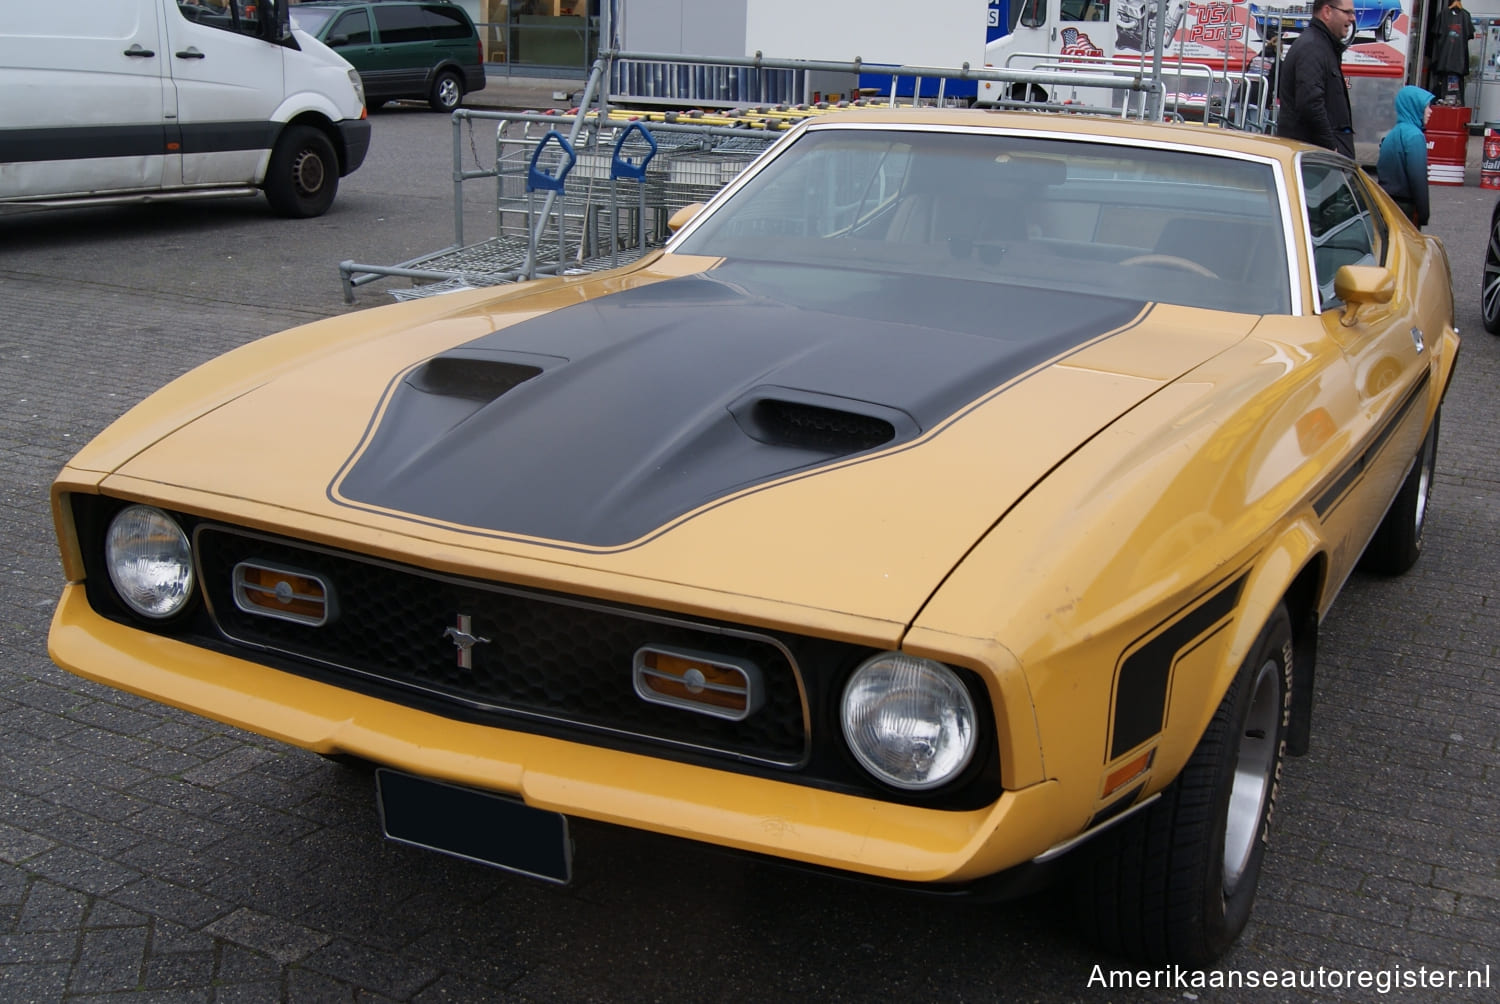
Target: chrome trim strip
{"points": [[1058, 850]]}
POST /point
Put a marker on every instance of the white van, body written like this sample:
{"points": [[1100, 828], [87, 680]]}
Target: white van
{"points": [[111, 101]]}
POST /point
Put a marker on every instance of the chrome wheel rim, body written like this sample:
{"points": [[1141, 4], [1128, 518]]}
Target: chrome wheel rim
{"points": [[1424, 485], [1492, 276], [1254, 769], [448, 92]]}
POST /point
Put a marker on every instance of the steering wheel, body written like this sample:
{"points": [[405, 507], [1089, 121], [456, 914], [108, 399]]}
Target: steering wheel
{"points": [[1171, 261]]}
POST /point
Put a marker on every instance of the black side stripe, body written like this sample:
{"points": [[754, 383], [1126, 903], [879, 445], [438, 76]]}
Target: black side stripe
{"points": [[1336, 489], [19, 146], [1144, 675]]}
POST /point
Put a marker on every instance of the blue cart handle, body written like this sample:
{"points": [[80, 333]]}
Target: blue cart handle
{"points": [[539, 180], [621, 166]]}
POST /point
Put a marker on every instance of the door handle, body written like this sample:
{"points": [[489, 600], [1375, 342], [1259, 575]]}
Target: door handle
{"points": [[137, 51], [191, 52]]}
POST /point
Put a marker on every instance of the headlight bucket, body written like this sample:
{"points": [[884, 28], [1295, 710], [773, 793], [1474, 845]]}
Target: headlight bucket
{"points": [[910, 722], [150, 562]]}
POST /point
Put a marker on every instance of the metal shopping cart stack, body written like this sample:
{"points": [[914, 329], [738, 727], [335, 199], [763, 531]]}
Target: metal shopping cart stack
{"points": [[697, 174], [597, 201]]}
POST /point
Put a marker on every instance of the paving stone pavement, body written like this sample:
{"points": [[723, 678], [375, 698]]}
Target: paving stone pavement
{"points": [[149, 855]]}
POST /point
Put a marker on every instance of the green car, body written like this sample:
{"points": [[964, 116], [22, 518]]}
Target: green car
{"points": [[426, 51]]}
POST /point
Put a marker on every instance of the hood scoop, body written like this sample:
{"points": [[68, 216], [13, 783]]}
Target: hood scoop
{"points": [[605, 421], [823, 423], [470, 376]]}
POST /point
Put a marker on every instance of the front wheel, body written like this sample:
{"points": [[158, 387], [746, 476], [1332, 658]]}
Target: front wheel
{"points": [[1387, 29], [1175, 882], [1397, 543], [447, 92], [303, 176]]}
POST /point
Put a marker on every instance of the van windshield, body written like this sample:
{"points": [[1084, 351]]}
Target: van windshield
{"points": [[310, 19]]}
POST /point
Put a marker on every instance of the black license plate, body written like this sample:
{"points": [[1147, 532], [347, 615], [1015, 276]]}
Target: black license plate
{"points": [[475, 825]]}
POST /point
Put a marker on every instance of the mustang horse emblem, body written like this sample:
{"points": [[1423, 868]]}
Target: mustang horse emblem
{"points": [[465, 640]]}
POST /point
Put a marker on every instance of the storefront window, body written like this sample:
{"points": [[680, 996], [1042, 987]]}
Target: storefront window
{"points": [[553, 34]]}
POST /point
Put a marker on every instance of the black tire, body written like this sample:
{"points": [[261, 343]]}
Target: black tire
{"points": [[303, 176], [1031, 93], [1386, 30], [447, 92], [1490, 292], [1175, 882], [1397, 543]]}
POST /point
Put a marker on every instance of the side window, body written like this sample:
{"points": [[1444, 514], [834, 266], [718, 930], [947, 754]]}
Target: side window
{"points": [[399, 23], [447, 23], [1084, 10], [1341, 225], [222, 14], [352, 28], [1359, 183], [1030, 13]]}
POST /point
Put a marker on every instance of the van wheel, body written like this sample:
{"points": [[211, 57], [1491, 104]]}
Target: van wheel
{"points": [[303, 176], [447, 93], [1175, 882]]}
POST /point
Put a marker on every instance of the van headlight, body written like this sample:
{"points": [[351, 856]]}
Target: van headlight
{"points": [[359, 85], [909, 721], [149, 561]]}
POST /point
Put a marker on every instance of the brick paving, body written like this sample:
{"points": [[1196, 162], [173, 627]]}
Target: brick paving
{"points": [[148, 855]]}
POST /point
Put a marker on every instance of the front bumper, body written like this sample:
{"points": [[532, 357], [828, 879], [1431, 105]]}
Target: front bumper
{"points": [[754, 814], [354, 136]]}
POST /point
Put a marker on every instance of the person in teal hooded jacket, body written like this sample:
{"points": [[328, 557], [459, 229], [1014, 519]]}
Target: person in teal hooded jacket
{"points": [[1402, 167]]}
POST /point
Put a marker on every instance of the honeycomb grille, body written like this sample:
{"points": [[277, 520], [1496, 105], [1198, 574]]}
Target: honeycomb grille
{"points": [[544, 657]]}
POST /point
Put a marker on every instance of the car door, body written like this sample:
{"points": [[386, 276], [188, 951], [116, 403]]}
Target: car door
{"points": [[352, 36], [227, 84], [82, 99], [1385, 343], [404, 53]]}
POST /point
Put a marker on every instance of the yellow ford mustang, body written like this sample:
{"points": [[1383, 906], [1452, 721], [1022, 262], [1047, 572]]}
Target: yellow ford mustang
{"points": [[955, 488]]}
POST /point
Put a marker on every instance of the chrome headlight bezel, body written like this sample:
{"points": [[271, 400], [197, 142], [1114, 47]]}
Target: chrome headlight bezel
{"points": [[150, 562], [936, 733]]}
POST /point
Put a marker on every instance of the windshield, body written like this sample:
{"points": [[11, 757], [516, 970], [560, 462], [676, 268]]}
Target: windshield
{"points": [[310, 19], [1144, 223]]}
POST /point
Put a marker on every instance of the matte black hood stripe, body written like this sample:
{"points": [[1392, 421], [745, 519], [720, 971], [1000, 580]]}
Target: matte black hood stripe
{"points": [[599, 425]]}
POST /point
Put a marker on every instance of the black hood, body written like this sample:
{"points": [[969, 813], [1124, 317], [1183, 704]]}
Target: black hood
{"points": [[602, 422]]}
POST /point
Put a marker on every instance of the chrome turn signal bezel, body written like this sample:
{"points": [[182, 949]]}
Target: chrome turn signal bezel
{"points": [[291, 603], [695, 688]]}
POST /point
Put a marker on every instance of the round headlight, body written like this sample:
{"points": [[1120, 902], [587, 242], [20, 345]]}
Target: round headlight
{"points": [[149, 561], [909, 721]]}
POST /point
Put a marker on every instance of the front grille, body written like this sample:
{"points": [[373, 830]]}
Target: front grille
{"points": [[544, 658], [553, 665]]}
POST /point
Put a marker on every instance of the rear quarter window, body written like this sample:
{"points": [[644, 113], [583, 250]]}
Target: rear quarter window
{"points": [[447, 23]]}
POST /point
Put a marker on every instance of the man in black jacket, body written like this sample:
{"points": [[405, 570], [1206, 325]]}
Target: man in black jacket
{"points": [[1314, 97]]}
